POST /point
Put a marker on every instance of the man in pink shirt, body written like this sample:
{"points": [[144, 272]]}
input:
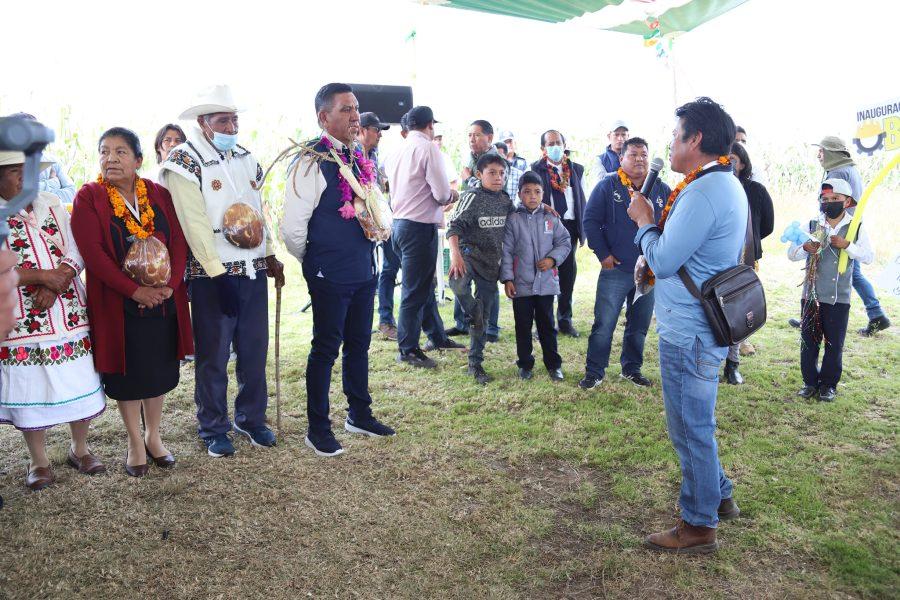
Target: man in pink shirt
{"points": [[420, 190]]}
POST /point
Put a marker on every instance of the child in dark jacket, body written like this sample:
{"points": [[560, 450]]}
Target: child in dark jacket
{"points": [[475, 234], [534, 243]]}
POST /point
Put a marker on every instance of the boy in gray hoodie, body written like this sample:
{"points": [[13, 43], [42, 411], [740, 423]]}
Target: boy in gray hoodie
{"points": [[534, 243]]}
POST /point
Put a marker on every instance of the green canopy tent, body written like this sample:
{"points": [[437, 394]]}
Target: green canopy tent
{"points": [[658, 21], [626, 16]]}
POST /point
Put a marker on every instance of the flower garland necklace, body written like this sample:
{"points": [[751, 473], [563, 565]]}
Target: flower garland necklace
{"points": [[366, 177], [626, 181], [722, 160], [141, 230], [558, 185]]}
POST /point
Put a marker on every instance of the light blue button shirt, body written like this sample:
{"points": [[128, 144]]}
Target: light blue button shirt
{"points": [[56, 181], [705, 232]]}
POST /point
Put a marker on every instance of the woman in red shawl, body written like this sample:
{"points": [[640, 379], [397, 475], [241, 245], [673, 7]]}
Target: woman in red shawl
{"points": [[136, 294]]}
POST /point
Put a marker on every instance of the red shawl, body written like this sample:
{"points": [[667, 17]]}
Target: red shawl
{"points": [[107, 285]]}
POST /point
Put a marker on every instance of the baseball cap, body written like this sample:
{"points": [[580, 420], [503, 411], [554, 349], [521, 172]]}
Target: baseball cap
{"points": [[833, 143], [506, 135], [420, 115], [618, 124], [838, 186], [370, 119]]}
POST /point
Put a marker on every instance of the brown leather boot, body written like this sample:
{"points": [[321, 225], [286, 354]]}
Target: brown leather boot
{"points": [[684, 538]]}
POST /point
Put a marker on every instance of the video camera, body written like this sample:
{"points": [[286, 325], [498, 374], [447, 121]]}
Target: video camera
{"points": [[23, 135]]}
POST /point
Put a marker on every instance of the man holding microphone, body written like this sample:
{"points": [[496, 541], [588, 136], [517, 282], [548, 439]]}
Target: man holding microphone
{"points": [[701, 229]]}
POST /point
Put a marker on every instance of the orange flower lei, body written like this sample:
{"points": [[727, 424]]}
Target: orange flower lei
{"points": [[722, 160], [141, 230], [623, 177], [558, 185]]}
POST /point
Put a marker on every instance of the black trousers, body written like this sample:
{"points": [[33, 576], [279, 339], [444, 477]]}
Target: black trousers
{"points": [[830, 326], [528, 310], [568, 270]]}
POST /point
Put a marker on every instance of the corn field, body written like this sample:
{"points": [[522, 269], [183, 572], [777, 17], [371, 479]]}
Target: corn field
{"points": [[790, 171]]}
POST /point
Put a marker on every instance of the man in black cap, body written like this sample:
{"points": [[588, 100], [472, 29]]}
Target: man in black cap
{"points": [[420, 189], [370, 131]]}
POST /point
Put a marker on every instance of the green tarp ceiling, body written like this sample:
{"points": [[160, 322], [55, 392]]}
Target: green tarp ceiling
{"points": [[626, 16]]}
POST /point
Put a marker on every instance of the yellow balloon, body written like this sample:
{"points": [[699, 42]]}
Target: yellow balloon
{"points": [[857, 215]]}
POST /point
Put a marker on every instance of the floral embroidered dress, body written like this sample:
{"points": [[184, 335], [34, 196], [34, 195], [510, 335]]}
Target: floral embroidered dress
{"points": [[46, 364]]}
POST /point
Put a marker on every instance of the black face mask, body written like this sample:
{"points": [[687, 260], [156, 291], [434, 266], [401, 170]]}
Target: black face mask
{"points": [[832, 210]]}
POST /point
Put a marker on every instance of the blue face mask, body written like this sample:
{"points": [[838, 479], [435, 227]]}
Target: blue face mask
{"points": [[555, 153], [224, 141]]}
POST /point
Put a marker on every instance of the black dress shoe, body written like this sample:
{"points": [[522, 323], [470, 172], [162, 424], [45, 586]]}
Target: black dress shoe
{"points": [[492, 338], [732, 375], [453, 331], [794, 323], [728, 509], [447, 344], [164, 462], [416, 358], [136, 470], [556, 374], [827, 393], [874, 326], [567, 329], [807, 391], [637, 379], [525, 374], [477, 371]]}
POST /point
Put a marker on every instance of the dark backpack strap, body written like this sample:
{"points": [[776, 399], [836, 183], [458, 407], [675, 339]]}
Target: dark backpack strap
{"points": [[689, 283]]}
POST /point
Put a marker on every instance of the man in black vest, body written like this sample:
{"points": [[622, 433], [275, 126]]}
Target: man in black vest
{"points": [[563, 191], [338, 266]]}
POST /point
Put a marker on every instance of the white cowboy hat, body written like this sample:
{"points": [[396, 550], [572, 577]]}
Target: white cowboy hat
{"points": [[214, 99], [8, 157]]}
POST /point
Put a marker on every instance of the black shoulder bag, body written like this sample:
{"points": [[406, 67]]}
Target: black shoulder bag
{"points": [[734, 303], [734, 300]]}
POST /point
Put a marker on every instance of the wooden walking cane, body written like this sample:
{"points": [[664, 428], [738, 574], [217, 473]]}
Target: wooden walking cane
{"points": [[278, 358]]}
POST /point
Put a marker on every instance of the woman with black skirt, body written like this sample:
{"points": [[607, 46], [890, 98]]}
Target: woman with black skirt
{"points": [[135, 254]]}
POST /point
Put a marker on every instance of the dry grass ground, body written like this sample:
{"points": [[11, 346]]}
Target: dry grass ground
{"points": [[514, 490]]}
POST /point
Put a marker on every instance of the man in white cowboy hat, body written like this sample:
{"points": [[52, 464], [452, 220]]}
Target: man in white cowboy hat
{"points": [[215, 185]]}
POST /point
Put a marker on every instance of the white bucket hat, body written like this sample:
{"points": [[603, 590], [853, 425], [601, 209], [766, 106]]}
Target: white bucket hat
{"points": [[8, 157], [214, 99]]}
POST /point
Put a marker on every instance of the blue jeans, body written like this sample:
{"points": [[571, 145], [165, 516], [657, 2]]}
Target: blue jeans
{"points": [[342, 315], [615, 286], [866, 293], [476, 304], [493, 328], [387, 281], [416, 246], [690, 382]]}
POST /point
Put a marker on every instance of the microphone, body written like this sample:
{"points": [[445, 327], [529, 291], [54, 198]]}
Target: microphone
{"points": [[656, 166]]}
